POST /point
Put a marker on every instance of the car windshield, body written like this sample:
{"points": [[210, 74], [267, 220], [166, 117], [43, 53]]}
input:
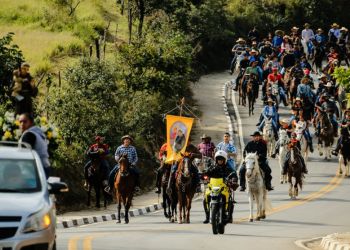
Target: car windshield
{"points": [[19, 176]]}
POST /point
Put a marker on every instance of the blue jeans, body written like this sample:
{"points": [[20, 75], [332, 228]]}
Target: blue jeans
{"points": [[232, 165]]}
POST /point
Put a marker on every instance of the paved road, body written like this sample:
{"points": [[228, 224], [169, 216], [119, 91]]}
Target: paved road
{"points": [[322, 208]]}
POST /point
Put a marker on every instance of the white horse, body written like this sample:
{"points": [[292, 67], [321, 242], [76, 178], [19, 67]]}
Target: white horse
{"points": [[304, 146], [283, 143], [343, 163], [255, 186], [269, 137], [344, 156], [275, 90]]}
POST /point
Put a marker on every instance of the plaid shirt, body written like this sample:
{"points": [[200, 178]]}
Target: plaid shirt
{"points": [[130, 151], [206, 149]]}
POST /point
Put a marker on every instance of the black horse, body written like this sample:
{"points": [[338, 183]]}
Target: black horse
{"points": [[96, 176]]}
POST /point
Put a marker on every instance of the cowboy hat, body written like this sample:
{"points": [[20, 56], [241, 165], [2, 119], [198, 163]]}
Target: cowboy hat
{"points": [[329, 84], [322, 76], [284, 121], [306, 25], [253, 51], [298, 99], [256, 133], [204, 136], [319, 30], [127, 137], [286, 37], [268, 43], [279, 32], [343, 29], [240, 40], [295, 28], [335, 25]]}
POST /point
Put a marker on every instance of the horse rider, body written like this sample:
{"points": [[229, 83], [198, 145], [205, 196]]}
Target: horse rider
{"points": [[275, 76], [99, 151], [342, 41], [287, 126], [304, 124], [161, 155], [304, 91], [268, 96], [238, 49], [254, 72], [320, 38], [332, 55], [294, 36], [344, 131], [307, 35], [230, 149], [330, 89], [243, 65], [332, 110], [266, 51], [130, 151], [294, 143], [269, 112], [253, 35], [206, 147], [333, 34], [220, 170], [258, 146], [322, 84]]}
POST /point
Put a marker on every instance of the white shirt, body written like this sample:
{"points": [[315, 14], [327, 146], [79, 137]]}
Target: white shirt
{"points": [[307, 34]]}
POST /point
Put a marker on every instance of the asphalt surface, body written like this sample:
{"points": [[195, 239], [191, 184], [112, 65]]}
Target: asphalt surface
{"points": [[322, 208]]}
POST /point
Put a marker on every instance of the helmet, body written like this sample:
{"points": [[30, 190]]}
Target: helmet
{"points": [[221, 154]]}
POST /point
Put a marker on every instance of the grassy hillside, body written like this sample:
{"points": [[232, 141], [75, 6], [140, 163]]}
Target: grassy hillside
{"points": [[50, 38]]}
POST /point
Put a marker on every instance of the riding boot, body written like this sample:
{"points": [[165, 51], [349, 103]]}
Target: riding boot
{"points": [[158, 179], [206, 221], [267, 173], [242, 178], [310, 145]]}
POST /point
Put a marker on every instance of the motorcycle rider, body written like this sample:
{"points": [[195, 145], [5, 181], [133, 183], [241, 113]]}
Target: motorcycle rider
{"points": [[220, 170], [257, 145]]}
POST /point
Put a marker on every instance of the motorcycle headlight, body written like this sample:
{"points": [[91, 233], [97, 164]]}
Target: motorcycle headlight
{"points": [[37, 221]]}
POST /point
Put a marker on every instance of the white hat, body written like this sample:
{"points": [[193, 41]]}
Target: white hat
{"points": [[329, 84], [222, 154]]}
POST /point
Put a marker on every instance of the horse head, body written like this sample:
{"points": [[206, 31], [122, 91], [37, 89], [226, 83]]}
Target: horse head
{"points": [[124, 165], [250, 160], [184, 165], [283, 137], [268, 129]]}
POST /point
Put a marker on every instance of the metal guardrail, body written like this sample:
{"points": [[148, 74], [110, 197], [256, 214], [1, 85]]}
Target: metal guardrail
{"points": [[19, 144]]}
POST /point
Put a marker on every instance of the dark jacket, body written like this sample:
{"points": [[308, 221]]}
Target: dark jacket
{"points": [[216, 171], [258, 147]]}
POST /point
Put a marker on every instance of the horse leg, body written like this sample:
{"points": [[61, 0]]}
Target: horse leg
{"points": [[263, 211], [258, 206], [180, 207], [347, 169], [251, 206], [290, 187], [188, 209], [97, 188], [127, 205], [164, 205], [89, 195], [340, 171], [119, 208], [319, 148]]}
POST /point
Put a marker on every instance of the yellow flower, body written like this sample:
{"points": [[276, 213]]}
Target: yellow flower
{"points": [[7, 135], [49, 135], [17, 123], [43, 120]]}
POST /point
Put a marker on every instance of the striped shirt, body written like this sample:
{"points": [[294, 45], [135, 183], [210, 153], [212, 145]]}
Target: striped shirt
{"points": [[130, 151]]}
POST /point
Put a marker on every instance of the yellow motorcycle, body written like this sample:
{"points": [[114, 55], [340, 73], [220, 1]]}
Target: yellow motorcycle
{"points": [[219, 202]]}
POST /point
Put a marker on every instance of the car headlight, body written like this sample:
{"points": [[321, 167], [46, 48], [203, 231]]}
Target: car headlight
{"points": [[37, 221]]}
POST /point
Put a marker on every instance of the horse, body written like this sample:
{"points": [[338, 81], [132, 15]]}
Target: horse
{"points": [[344, 156], [185, 188], [294, 171], [326, 135], [276, 92], [268, 135], [124, 185], [255, 186], [169, 193], [304, 146], [251, 96], [319, 54], [96, 177], [283, 142]]}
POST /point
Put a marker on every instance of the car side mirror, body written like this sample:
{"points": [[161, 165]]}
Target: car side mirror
{"points": [[57, 187]]}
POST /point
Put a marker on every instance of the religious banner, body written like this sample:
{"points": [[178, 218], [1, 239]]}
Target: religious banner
{"points": [[178, 132]]}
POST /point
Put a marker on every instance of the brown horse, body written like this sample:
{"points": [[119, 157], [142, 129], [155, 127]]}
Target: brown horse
{"points": [[251, 96], [294, 171], [326, 135], [124, 185], [185, 188]]}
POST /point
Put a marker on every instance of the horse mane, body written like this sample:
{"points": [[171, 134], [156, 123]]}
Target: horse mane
{"points": [[251, 156]]}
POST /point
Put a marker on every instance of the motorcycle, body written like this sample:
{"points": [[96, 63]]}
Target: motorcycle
{"points": [[219, 200]]}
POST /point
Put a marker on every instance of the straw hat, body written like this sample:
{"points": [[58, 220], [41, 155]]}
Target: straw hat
{"points": [[279, 32], [286, 37], [329, 84], [343, 29], [295, 28], [204, 136], [270, 100], [319, 30], [306, 25], [127, 137], [240, 40], [335, 25]]}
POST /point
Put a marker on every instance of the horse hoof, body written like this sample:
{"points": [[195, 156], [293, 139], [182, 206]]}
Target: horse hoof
{"points": [[180, 222], [251, 220], [118, 221], [258, 218], [172, 220], [263, 217], [126, 222], [281, 182]]}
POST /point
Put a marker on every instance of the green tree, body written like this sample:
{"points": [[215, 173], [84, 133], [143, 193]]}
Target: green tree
{"points": [[10, 59]]}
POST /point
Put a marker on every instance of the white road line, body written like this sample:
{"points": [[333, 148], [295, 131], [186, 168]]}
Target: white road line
{"points": [[239, 122]]}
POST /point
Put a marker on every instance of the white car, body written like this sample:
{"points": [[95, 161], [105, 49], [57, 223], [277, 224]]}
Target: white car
{"points": [[27, 207]]}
